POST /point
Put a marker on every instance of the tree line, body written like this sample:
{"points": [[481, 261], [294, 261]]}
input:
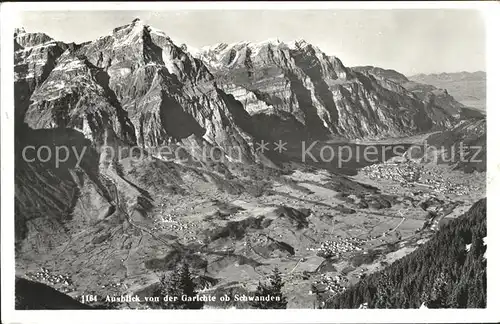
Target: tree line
{"points": [[448, 271], [180, 282]]}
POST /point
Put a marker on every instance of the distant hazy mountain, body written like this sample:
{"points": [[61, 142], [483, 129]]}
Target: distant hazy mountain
{"points": [[467, 87]]}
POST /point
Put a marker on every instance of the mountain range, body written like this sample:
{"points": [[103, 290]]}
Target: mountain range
{"points": [[129, 75], [136, 89]]}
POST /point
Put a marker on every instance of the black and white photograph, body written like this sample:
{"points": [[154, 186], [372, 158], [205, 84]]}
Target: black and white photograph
{"points": [[238, 159]]}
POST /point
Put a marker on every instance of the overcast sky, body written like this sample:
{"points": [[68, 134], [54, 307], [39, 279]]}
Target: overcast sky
{"points": [[409, 41]]}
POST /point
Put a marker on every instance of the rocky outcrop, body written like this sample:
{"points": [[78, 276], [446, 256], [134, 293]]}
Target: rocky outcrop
{"points": [[132, 87], [76, 95]]}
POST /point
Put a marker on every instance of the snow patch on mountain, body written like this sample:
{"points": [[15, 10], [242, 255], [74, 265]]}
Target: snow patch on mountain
{"points": [[156, 31], [49, 43], [70, 65], [169, 63]]}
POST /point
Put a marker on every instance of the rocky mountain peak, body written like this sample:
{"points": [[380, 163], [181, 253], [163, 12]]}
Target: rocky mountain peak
{"points": [[19, 30], [299, 44], [24, 39], [383, 73], [273, 78]]}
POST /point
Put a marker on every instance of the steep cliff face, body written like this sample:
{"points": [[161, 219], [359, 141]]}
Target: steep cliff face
{"points": [[134, 86], [317, 91], [427, 93], [123, 219], [76, 95], [34, 58]]}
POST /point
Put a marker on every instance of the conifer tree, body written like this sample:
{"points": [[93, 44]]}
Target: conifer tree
{"points": [[384, 295], [179, 283], [438, 297], [273, 289]]}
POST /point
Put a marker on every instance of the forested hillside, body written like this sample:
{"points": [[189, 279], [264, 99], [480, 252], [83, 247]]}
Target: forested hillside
{"points": [[449, 271]]}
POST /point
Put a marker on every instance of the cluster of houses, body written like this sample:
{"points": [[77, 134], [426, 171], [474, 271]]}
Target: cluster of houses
{"points": [[447, 187], [111, 285], [328, 284], [168, 222], [410, 174], [403, 173], [329, 249], [45, 276]]}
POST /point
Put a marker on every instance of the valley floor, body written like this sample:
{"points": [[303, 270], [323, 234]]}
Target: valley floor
{"points": [[322, 230]]}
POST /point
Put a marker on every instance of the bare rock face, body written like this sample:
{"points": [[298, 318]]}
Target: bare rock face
{"points": [[24, 39], [298, 81], [76, 95], [387, 74], [167, 94], [34, 58], [429, 94], [134, 86]]}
